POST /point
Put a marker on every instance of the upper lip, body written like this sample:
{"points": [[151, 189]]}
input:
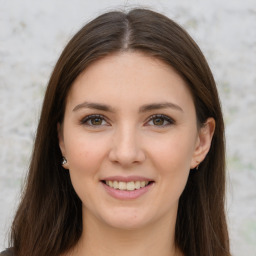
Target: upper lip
{"points": [[126, 179]]}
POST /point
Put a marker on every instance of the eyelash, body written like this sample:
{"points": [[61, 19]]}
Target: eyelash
{"points": [[161, 116], [90, 117], [164, 117]]}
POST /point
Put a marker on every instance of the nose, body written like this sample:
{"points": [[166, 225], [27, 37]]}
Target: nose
{"points": [[126, 148]]}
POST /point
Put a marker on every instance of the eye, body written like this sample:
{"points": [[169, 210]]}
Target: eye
{"points": [[94, 120], [160, 120]]}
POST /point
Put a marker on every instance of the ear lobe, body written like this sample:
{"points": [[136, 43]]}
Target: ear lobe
{"points": [[203, 142]]}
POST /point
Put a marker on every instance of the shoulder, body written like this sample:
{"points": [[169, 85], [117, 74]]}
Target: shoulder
{"points": [[7, 252]]}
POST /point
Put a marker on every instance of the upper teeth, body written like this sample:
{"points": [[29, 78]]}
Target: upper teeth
{"points": [[131, 185]]}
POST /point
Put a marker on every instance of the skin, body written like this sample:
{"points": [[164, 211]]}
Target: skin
{"points": [[128, 142]]}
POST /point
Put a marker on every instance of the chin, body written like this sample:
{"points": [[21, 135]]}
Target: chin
{"points": [[127, 224], [128, 220]]}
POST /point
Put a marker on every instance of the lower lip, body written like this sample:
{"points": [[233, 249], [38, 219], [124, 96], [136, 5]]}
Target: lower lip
{"points": [[126, 194]]}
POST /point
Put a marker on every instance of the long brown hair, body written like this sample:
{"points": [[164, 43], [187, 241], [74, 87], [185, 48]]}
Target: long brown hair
{"points": [[49, 218]]}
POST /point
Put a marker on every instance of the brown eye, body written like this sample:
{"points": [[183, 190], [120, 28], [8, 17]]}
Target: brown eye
{"points": [[96, 121], [158, 121]]}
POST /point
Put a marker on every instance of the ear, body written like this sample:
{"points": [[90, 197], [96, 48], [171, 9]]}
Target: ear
{"points": [[203, 143], [61, 143]]}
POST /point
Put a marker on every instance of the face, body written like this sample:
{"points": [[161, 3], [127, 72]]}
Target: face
{"points": [[130, 138]]}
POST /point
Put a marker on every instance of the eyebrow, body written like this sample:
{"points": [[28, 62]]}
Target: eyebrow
{"points": [[142, 109], [92, 105], [154, 106]]}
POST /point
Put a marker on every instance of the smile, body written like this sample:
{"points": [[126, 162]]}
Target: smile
{"points": [[128, 186]]}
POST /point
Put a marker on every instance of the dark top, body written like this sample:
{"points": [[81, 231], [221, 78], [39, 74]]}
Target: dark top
{"points": [[7, 252]]}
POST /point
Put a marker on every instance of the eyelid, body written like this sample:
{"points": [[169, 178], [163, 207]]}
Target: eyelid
{"points": [[87, 118], [165, 117]]}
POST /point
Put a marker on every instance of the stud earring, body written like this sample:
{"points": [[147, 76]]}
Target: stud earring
{"points": [[64, 161], [198, 163]]}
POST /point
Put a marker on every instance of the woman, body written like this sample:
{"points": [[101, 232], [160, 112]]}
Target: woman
{"points": [[129, 153]]}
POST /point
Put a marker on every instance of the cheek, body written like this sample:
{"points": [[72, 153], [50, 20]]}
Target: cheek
{"points": [[171, 158], [173, 152], [85, 153]]}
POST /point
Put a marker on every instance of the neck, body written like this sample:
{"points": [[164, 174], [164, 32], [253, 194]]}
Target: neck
{"points": [[100, 239]]}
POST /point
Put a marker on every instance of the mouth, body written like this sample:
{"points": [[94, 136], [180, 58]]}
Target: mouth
{"points": [[127, 186]]}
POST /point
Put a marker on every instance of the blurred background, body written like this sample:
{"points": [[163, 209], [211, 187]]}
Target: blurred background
{"points": [[32, 36]]}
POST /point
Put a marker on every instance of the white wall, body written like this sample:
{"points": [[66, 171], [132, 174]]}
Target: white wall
{"points": [[32, 35]]}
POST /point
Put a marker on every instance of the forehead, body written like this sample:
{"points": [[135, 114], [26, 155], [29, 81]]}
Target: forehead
{"points": [[129, 78]]}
